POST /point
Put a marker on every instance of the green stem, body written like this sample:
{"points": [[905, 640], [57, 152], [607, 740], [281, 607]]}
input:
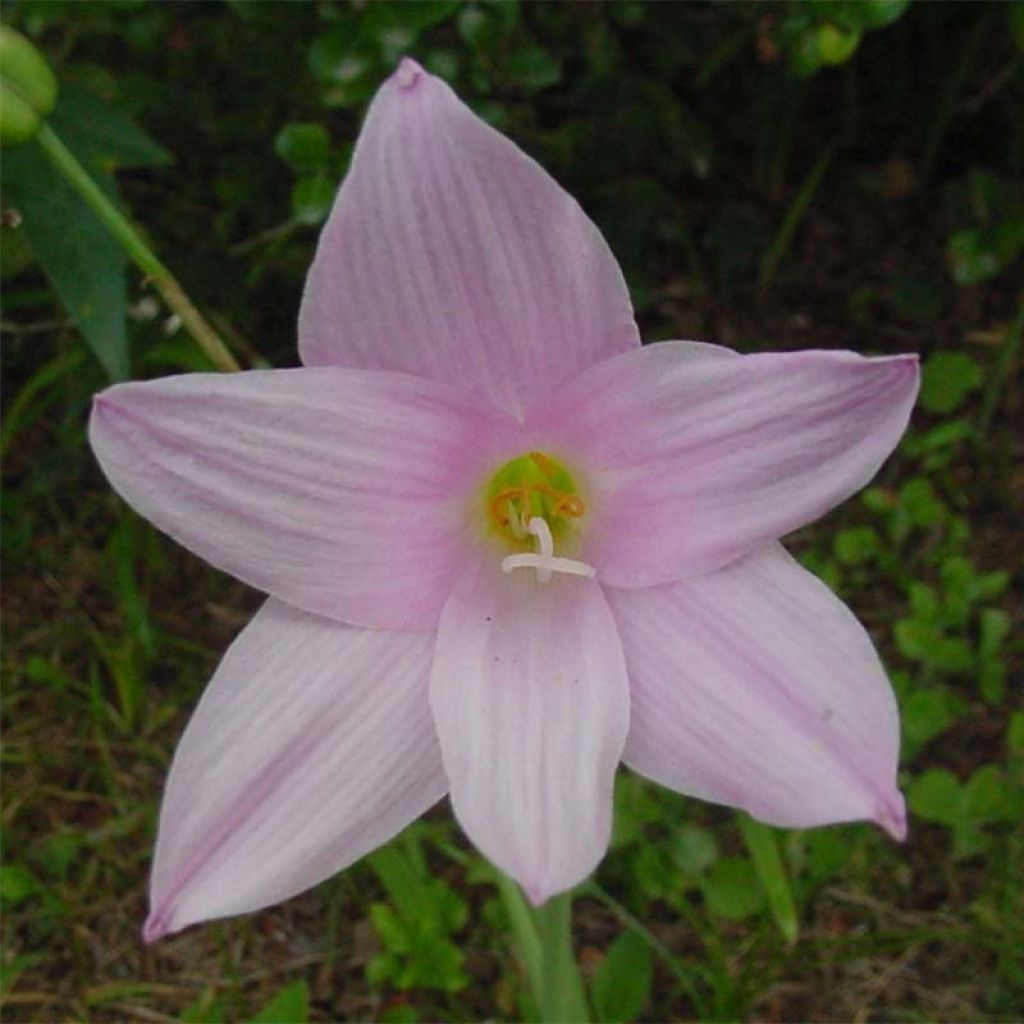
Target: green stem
{"points": [[133, 244], [544, 938], [764, 849], [561, 997], [1002, 371], [657, 946], [792, 221], [946, 107], [525, 931]]}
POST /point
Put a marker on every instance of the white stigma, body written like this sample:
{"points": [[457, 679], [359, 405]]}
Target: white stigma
{"points": [[544, 561]]}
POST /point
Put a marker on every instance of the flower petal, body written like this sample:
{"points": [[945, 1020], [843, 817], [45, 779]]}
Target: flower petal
{"points": [[339, 491], [312, 745], [451, 254], [700, 457], [756, 687], [530, 698]]}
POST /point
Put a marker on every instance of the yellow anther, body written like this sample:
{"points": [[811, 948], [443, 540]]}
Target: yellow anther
{"points": [[570, 505], [534, 485]]}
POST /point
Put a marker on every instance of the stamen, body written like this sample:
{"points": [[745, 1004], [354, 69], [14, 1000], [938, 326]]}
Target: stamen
{"points": [[545, 560]]}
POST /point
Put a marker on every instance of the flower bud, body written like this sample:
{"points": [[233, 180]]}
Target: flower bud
{"points": [[28, 88]]}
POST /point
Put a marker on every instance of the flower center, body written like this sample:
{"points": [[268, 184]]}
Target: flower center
{"points": [[535, 496]]}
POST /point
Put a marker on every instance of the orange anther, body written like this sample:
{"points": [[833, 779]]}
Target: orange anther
{"points": [[506, 497], [546, 466], [570, 505]]}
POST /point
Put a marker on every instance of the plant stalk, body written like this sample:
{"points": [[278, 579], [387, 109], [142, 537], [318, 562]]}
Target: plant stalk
{"points": [[135, 246], [561, 998], [544, 939]]}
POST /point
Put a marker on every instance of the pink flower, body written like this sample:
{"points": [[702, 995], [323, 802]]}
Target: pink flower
{"points": [[505, 546]]}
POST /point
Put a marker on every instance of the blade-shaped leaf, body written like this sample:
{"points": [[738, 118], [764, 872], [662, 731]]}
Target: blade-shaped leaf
{"points": [[764, 850], [81, 259], [83, 262], [622, 984], [101, 136]]}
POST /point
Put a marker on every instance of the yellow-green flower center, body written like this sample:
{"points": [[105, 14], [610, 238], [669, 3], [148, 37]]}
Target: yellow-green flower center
{"points": [[534, 485]]}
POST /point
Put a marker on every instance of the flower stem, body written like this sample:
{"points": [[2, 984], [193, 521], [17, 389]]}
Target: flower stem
{"points": [[561, 996], [134, 245], [544, 937], [525, 931]]}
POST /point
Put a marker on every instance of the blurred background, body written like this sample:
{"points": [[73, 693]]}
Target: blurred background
{"points": [[771, 175]]}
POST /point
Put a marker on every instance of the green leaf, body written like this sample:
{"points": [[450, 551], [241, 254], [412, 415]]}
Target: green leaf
{"points": [[856, 545], [312, 198], [946, 381], [924, 641], [635, 808], [971, 259], [994, 628], [622, 984], [985, 796], [1015, 734], [304, 146], [922, 504], [334, 59], [83, 262], [101, 136], [944, 436], [532, 67], [694, 850], [17, 884], [969, 841], [400, 879], [391, 928], [289, 1006], [989, 586], [937, 796], [835, 45], [912, 638], [419, 953], [879, 13], [731, 889], [411, 18], [481, 28], [926, 714], [763, 847], [818, 854]]}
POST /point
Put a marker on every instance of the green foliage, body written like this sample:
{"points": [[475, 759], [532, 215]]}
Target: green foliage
{"points": [[785, 173], [987, 213], [622, 985], [289, 1006], [966, 808], [947, 380], [417, 928], [818, 34], [83, 262], [731, 889], [771, 873], [304, 147]]}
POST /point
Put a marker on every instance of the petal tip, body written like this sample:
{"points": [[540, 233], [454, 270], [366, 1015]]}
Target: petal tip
{"points": [[102, 403], [115, 401], [156, 927], [909, 363], [407, 74], [539, 893], [892, 818]]}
